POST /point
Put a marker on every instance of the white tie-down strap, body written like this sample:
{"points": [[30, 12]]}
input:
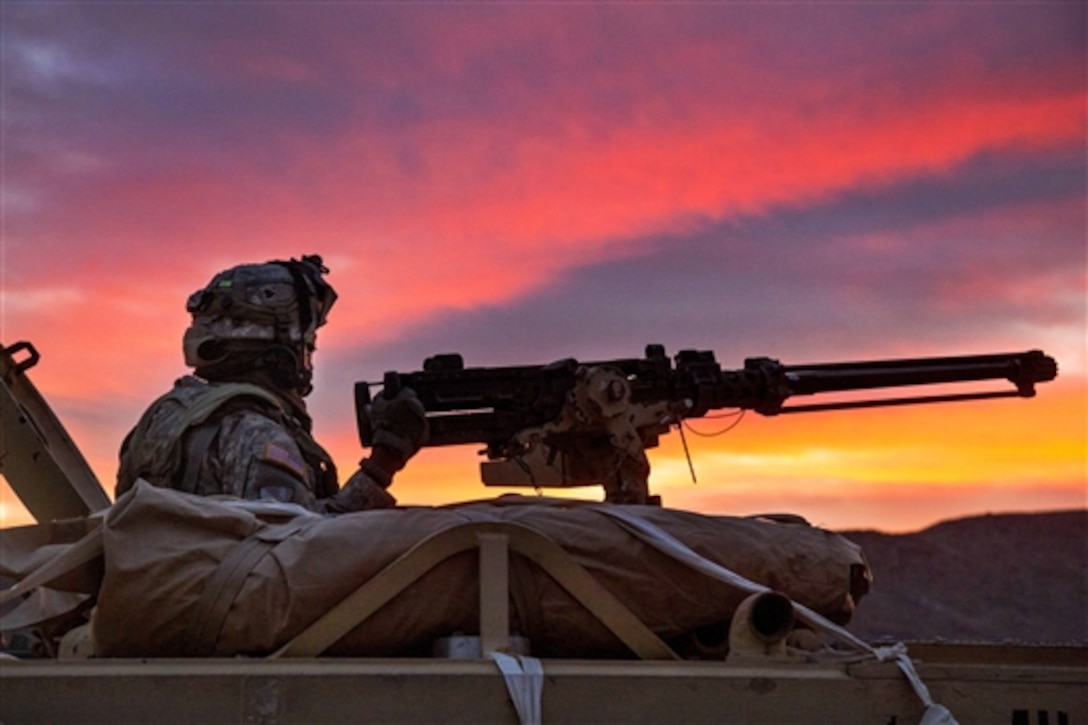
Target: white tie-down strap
{"points": [[524, 677], [667, 544], [934, 714]]}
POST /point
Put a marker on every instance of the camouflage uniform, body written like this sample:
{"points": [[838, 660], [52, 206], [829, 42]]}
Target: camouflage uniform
{"points": [[238, 439]]}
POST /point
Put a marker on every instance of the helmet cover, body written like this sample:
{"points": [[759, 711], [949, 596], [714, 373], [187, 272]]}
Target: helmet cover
{"points": [[251, 307]]}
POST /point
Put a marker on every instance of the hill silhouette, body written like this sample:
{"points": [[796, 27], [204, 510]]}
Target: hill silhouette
{"points": [[996, 578]]}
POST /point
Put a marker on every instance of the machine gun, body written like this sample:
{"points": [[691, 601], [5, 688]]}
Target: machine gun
{"points": [[580, 424]]}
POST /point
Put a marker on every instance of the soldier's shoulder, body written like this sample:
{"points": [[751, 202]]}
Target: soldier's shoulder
{"points": [[195, 402], [253, 417], [206, 397], [175, 400]]}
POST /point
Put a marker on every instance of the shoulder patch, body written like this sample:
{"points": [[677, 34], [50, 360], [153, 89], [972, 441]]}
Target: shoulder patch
{"points": [[280, 456]]}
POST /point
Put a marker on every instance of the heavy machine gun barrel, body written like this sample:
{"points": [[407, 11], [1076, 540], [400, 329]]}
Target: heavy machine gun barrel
{"points": [[1023, 370], [575, 418]]}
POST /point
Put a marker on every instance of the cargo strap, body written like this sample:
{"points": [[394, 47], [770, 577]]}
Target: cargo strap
{"points": [[664, 542], [50, 604], [430, 552], [524, 678], [73, 557], [222, 587]]}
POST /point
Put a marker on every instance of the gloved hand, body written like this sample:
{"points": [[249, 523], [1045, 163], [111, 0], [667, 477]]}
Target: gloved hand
{"points": [[399, 423]]}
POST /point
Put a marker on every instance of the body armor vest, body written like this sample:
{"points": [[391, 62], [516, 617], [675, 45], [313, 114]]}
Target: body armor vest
{"points": [[172, 437]]}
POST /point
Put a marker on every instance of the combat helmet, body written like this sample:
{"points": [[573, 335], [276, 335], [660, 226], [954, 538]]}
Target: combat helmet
{"points": [[260, 317]]}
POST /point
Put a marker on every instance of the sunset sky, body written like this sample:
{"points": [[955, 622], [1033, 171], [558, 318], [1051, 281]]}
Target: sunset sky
{"points": [[525, 182]]}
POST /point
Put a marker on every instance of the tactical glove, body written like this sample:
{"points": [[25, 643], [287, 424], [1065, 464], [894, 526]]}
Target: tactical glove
{"points": [[399, 423]]}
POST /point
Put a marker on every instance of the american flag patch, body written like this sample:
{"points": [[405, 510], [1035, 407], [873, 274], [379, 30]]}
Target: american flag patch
{"points": [[284, 458]]}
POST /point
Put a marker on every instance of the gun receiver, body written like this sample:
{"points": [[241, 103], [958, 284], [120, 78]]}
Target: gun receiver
{"points": [[579, 424]]}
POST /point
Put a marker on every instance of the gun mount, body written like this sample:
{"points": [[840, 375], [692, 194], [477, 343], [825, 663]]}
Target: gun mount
{"points": [[579, 424]]}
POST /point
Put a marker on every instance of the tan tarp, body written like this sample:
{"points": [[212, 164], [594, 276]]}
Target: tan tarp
{"points": [[33, 553], [171, 561], [24, 549]]}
